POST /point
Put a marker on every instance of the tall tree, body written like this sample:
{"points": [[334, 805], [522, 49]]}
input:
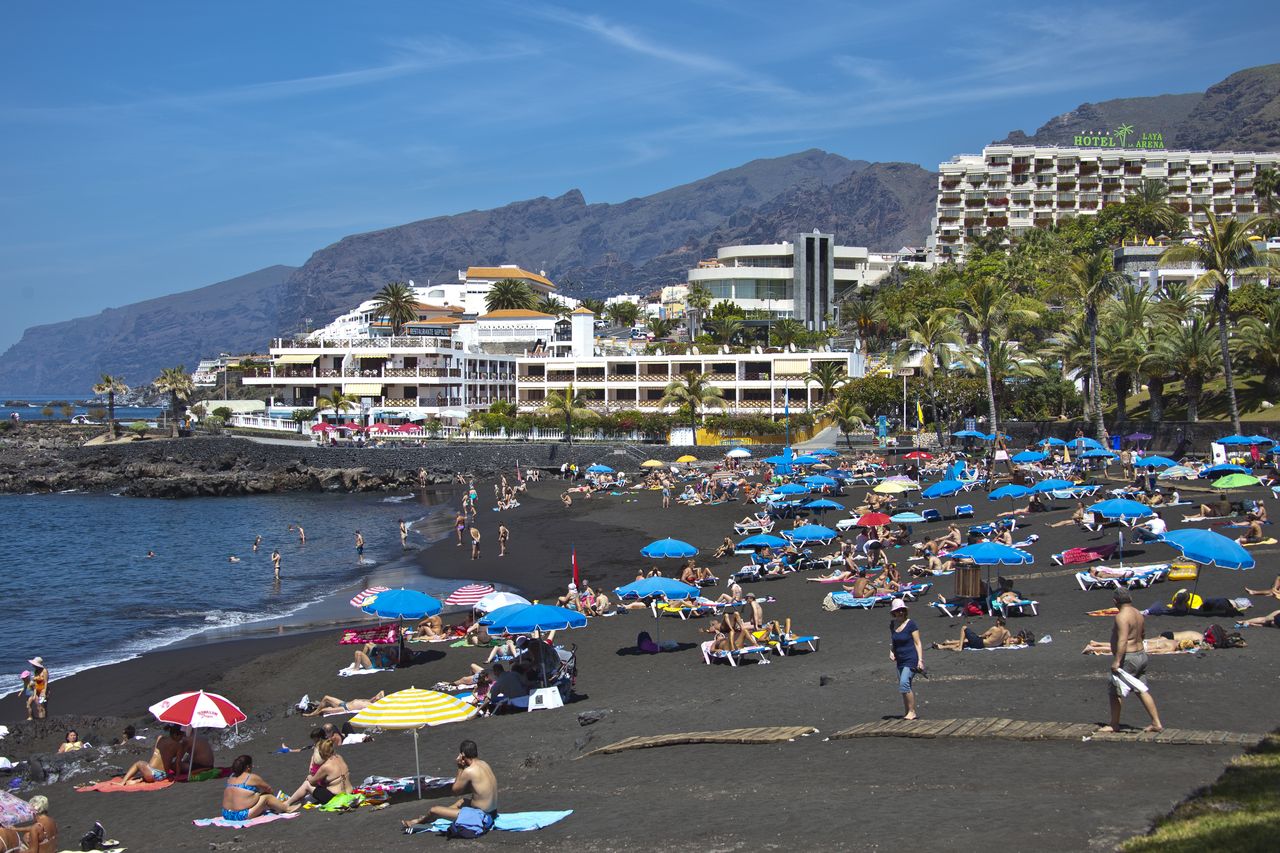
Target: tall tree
{"points": [[984, 307], [1089, 280], [848, 415], [1191, 347], [1223, 249], [111, 386], [662, 327], [866, 318], [176, 382], [398, 303], [622, 313], [338, 402], [1070, 346], [696, 301], [724, 329], [932, 340], [1258, 340], [1175, 301], [694, 392], [785, 332], [552, 305], [1148, 212], [1266, 186], [510, 294], [595, 306], [828, 376], [571, 405]]}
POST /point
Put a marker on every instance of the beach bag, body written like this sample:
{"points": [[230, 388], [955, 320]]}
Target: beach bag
{"points": [[646, 644], [470, 823], [1216, 636], [829, 603], [972, 608]]}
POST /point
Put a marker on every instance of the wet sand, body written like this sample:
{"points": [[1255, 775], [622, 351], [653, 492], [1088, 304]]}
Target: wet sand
{"points": [[857, 794]]}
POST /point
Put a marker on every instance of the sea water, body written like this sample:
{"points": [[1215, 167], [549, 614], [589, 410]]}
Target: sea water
{"points": [[80, 591]]}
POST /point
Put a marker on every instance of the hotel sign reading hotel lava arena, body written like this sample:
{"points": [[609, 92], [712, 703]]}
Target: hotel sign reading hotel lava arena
{"points": [[1120, 138]]}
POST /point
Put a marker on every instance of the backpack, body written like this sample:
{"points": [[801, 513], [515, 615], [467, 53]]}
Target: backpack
{"points": [[470, 823], [646, 644], [1216, 636]]}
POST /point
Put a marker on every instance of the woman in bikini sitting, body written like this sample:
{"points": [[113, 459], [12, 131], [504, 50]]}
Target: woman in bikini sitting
{"points": [[247, 795], [726, 548], [333, 703], [330, 778]]}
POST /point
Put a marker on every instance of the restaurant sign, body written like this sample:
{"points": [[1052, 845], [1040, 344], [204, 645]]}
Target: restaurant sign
{"points": [[1123, 136]]}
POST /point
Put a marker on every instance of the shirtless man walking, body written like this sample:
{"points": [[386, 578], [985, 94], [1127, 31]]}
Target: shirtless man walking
{"points": [[359, 544], [275, 562], [1128, 653], [404, 535], [503, 536], [475, 783]]}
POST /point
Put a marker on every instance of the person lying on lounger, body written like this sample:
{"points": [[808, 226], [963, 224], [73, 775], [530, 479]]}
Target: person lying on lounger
{"points": [[333, 703], [839, 573], [995, 636], [733, 596]]}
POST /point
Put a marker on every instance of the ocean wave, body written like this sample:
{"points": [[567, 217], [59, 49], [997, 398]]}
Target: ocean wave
{"points": [[396, 499]]}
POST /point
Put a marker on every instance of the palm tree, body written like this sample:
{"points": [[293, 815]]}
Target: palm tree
{"points": [[828, 376], [1122, 350], [1089, 280], [549, 304], [595, 306], [1155, 367], [697, 301], [1070, 347], [398, 303], [1175, 301], [111, 386], [176, 382], [724, 329], [622, 313], [695, 392], [572, 405], [302, 416], [983, 308], [1222, 248], [848, 415], [1190, 346], [662, 327], [1148, 209], [785, 332], [337, 401], [510, 294], [1258, 340], [934, 339], [866, 317], [1266, 186]]}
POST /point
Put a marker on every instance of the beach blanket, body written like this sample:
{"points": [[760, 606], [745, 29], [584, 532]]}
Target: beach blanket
{"points": [[1106, 611], [352, 669], [1086, 554], [506, 822], [998, 648], [204, 775], [382, 785], [116, 786], [380, 634], [242, 824], [336, 712], [1270, 541]]}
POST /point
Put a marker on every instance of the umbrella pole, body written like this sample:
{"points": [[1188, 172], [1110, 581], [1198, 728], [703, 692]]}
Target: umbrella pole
{"points": [[417, 765]]}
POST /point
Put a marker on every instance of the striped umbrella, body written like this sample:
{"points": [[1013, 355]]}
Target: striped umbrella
{"points": [[468, 595], [363, 598], [412, 709], [198, 710]]}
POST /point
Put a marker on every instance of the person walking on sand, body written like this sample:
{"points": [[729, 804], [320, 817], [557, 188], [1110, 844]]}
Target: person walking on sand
{"points": [[359, 545], [38, 704], [907, 654], [404, 535], [275, 562], [504, 536], [460, 525], [475, 543], [1129, 663]]}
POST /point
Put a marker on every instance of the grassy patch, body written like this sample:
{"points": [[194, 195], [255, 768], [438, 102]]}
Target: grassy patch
{"points": [[1213, 402], [1239, 812]]}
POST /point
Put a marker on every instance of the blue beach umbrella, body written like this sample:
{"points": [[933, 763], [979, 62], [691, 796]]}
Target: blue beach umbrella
{"points": [[1052, 485], [1209, 548], [943, 489], [993, 436], [527, 618], [818, 480], [668, 549], [1098, 453], [763, 540], [907, 518], [1084, 444], [969, 433], [993, 554], [1052, 442], [402, 604], [791, 489], [1030, 456], [668, 589], [1154, 462], [810, 533], [1222, 470], [1010, 491], [599, 469], [1119, 509], [824, 451], [1261, 439], [1243, 439], [806, 460], [822, 505], [777, 460]]}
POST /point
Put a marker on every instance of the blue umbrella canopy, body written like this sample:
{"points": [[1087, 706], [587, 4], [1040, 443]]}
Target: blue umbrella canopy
{"points": [[806, 460], [943, 489], [1177, 471], [1030, 456], [1052, 485], [968, 433], [811, 533], [791, 489], [1221, 470], [402, 604], [819, 480], [824, 451], [1121, 509], [907, 518], [668, 549], [993, 436], [527, 618], [763, 540], [1261, 439], [1154, 462], [993, 554], [1052, 442], [1209, 548], [1098, 453], [1010, 491], [823, 504], [1244, 439], [599, 469], [777, 460], [1084, 444], [667, 588]]}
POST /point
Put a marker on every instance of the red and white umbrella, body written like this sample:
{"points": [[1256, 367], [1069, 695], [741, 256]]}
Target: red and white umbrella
{"points": [[323, 427], [198, 710], [363, 598], [468, 595], [381, 427], [408, 428]]}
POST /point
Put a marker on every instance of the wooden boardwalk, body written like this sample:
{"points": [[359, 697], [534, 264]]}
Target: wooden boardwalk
{"points": [[1002, 729], [768, 734]]}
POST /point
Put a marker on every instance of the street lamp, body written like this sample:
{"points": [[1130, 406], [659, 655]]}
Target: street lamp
{"points": [[905, 372]]}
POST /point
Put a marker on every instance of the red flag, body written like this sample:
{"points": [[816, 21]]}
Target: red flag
{"points": [[574, 552]]}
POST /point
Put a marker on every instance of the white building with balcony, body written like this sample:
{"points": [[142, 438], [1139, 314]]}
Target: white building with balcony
{"points": [[1019, 187], [471, 291]]}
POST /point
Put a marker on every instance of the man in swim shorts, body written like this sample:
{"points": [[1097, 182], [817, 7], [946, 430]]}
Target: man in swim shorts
{"points": [[1128, 654], [359, 544], [476, 783]]}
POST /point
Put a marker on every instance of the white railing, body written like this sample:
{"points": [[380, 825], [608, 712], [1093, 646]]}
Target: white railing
{"points": [[456, 433], [263, 422]]}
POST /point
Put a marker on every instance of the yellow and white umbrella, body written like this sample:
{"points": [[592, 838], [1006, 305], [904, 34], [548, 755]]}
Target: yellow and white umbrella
{"points": [[893, 487], [686, 459], [652, 463], [412, 709]]}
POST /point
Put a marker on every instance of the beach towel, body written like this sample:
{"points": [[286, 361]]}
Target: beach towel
{"points": [[203, 775], [380, 634], [336, 712], [116, 786], [1106, 611], [352, 669], [998, 648], [243, 824], [1086, 554], [1270, 541], [382, 785], [506, 822], [1127, 683]]}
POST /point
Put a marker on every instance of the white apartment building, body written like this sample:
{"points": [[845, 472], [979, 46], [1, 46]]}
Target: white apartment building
{"points": [[804, 279], [1019, 187], [471, 290]]}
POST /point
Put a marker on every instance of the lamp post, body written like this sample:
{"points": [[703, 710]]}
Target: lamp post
{"points": [[904, 373]]}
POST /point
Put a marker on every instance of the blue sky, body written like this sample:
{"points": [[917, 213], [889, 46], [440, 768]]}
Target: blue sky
{"points": [[147, 148]]}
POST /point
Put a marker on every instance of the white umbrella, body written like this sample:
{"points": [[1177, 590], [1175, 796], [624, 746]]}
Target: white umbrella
{"points": [[739, 453], [494, 600]]}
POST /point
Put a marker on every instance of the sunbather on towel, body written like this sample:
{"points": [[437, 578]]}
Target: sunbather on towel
{"points": [[325, 781], [996, 635], [1161, 645], [1252, 533], [844, 573], [333, 703], [1271, 620], [726, 548], [431, 628], [247, 795], [1077, 516], [164, 759]]}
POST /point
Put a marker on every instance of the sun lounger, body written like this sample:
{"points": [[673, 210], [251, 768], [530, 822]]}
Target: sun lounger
{"points": [[1137, 577], [963, 511], [912, 591], [1014, 608], [786, 644], [1084, 554], [848, 601], [931, 515], [953, 611], [733, 655]]}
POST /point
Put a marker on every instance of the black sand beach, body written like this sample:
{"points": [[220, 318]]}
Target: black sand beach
{"points": [[849, 794]]}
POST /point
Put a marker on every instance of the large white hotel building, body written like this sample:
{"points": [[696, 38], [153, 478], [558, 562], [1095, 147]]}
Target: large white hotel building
{"points": [[1019, 187]]}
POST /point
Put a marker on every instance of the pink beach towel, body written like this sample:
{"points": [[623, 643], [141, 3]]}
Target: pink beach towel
{"points": [[116, 786], [1072, 556], [241, 824]]}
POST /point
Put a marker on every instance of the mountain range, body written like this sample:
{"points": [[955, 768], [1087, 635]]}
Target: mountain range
{"points": [[593, 249]]}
